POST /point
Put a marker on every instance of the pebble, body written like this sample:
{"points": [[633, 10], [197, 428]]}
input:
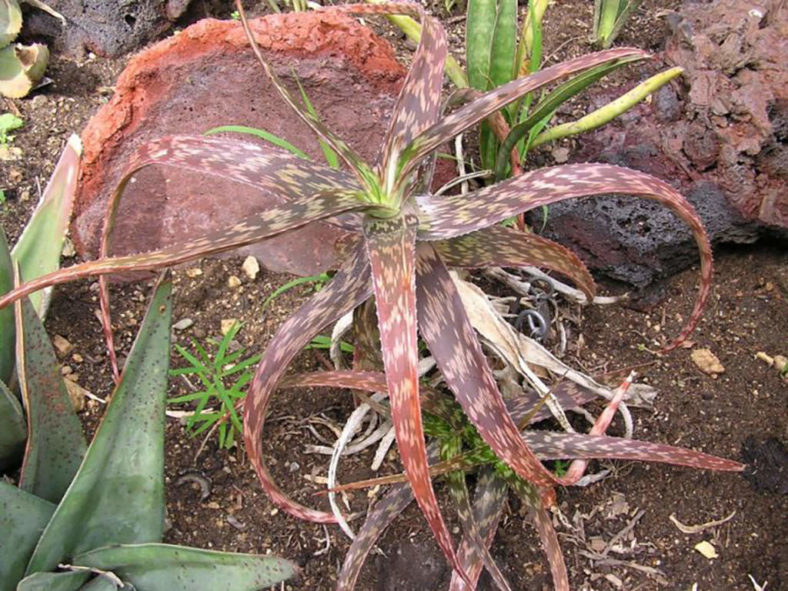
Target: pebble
{"points": [[62, 344], [251, 267], [77, 358], [193, 272], [183, 324], [227, 324], [233, 282], [707, 362]]}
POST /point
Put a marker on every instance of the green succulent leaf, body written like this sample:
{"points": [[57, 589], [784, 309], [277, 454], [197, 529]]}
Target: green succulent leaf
{"points": [[23, 517], [14, 429], [118, 493], [21, 67], [7, 328], [262, 134], [64, 581], [10, 21], [39, 247], [162, 567], [349, 288], [55, 443]]}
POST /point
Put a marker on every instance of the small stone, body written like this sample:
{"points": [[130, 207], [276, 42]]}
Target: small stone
{"points": [[560, 155], [183, 324], [707, 361], [68, 248], [65, 370], [597, 544], [77, 358], [77, 394], [251, 267], [706, 549], [227, 325], [62, 345], [193, 272], [233, 282]]}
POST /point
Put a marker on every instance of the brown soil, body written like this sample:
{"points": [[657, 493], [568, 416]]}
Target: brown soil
{"points": [[748, 313]]}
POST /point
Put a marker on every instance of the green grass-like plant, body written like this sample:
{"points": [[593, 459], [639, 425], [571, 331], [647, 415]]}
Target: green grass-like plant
{"points": [[223, 376]]}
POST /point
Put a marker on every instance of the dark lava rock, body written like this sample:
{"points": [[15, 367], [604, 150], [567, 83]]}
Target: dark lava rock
{"points": [[207, 76], [717, 134], [108, 28]]}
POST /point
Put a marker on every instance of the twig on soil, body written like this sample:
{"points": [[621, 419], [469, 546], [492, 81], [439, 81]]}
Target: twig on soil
{"points": [[658, 575], [696, 529]]}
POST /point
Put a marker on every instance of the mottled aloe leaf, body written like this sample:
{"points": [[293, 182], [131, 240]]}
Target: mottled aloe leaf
{"points": [[418, 104], [488, 504], [391, 246], [273, 221], [162, 567], [445, 327], [38, 249], [7, 329], [546, 531], [13, 429], [498, 246], [349, 288], [10, 21], [550, 445], [55, 443], [452, 216], [22, 519], [394, 502], [118, 494], [65, 581], [472, 537], [490, 102]]}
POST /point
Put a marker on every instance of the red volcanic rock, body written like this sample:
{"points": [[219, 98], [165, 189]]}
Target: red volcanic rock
{"points": [[207, 76]]}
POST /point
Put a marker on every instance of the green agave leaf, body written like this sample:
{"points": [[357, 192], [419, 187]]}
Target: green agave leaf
{"points": [[10, 21], [118, 493], [7, 328], [39, 247], [22, 519], [162, 567], [65, 581], [13, 429], [55, 443]]}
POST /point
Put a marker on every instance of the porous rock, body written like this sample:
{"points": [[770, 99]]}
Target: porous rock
{"points": [[207, 76], [717, 135], [108, 28]]}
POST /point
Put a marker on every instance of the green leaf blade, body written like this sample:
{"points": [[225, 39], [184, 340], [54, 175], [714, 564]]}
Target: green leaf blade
{"points": [[118, 493], [163, 567]]}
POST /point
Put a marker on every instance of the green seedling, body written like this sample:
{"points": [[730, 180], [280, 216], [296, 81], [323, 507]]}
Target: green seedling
{"points": [[609, 18], [8, 123], [223, 375]]}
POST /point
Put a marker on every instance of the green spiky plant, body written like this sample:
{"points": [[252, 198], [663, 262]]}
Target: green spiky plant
{"points": [[609, 17], [93, 519], [405, 240]]}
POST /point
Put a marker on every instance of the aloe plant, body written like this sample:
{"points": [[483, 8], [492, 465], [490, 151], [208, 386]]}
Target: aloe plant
{"points": [[93, 519], [404, 242]]}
